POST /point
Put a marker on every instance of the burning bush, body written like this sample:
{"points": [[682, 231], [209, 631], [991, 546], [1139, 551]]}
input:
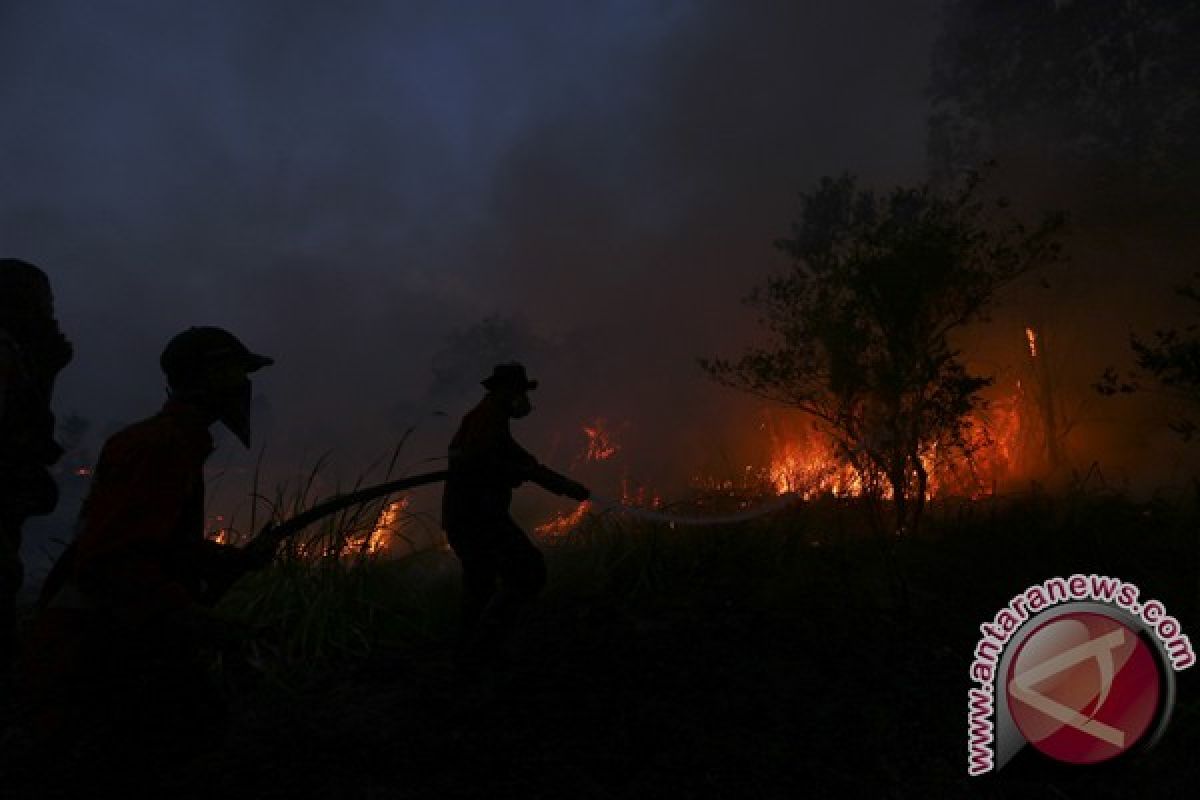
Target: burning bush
{"points": [[861, 329]]}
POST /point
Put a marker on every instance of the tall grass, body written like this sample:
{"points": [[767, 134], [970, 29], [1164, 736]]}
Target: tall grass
{"points": [[321, 616], [329, 600]]}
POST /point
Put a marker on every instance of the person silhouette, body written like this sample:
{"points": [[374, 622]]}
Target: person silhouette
{"points": [[33, 350], [115, 652], [486, 464]]}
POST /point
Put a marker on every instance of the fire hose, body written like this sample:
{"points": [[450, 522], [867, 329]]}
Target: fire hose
{"points": [[263, 546], [270, 537], [652, 515], [273, 535]]}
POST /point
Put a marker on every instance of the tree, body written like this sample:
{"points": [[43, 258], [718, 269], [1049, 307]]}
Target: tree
{"points": [[1172, 359], [1103, 87], [861, 324]]}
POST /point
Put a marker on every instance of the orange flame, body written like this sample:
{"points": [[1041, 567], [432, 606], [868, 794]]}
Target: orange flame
{"points": [[600, 446], [378, 540], [375, 542], [563, 523], [638, 495], [810, 467], [217, 530]]}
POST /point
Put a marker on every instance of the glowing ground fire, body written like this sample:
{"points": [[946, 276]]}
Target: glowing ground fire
{"points": [[799, 465], [600, 444], [806, 466]]}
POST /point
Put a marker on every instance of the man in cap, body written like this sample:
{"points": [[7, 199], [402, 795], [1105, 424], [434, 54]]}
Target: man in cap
{"points": [[486, 464], [119, 637], [33, 350]]}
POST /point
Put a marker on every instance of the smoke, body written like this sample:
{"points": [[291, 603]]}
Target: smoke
{"points": [[347, 186]]}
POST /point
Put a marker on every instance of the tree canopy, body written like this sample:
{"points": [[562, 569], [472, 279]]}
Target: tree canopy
{"points": [[1110, 88]]}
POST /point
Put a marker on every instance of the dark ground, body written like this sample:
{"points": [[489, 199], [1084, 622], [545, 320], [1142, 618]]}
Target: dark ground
{"points": [[771, 660]]}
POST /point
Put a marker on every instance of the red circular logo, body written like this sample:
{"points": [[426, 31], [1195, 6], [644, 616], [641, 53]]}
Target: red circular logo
{"points": [[1083, 688]]}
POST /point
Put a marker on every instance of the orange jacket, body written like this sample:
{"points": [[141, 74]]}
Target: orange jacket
{"points": [[140, 550]]}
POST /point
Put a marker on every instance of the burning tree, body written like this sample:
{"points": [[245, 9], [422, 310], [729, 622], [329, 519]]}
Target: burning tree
{"points": [[862, 324]]}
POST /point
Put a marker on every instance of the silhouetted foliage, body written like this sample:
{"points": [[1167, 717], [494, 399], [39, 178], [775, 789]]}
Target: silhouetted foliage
{"points": [[861, 324], [1107, 86], [1172, 359]]}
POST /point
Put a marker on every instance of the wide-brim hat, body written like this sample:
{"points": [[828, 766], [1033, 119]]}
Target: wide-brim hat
{"points": [[509, 376]]}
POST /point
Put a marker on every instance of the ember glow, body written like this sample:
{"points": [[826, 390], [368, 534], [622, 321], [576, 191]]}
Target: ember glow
{"points": [[218, 530], [997, 441], [799, 460], [375, 541], [811, 469], [563, 523], [638, 494], [600, 445], [1031, 337], [380, 538]]}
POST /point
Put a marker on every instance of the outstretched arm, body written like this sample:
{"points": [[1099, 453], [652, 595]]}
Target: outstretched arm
{"points": [[486, 450], [530, 469]]}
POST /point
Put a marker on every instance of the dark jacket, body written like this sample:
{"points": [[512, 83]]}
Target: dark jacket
{"points": [[27, 443], [486, 464], [140, 552]]}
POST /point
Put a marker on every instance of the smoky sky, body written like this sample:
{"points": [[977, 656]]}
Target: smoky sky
{"points": [[344, 185]]}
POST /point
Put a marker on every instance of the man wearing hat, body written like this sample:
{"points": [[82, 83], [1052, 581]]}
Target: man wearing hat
{"points": [[117, 641], [486, 464]]}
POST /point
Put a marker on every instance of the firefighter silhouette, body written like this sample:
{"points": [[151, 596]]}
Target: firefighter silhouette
{"points": [[33, 350], [502, 570], [115, 655]]}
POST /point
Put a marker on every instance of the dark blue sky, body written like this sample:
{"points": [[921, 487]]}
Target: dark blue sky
{"points": [[344, 184]]}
